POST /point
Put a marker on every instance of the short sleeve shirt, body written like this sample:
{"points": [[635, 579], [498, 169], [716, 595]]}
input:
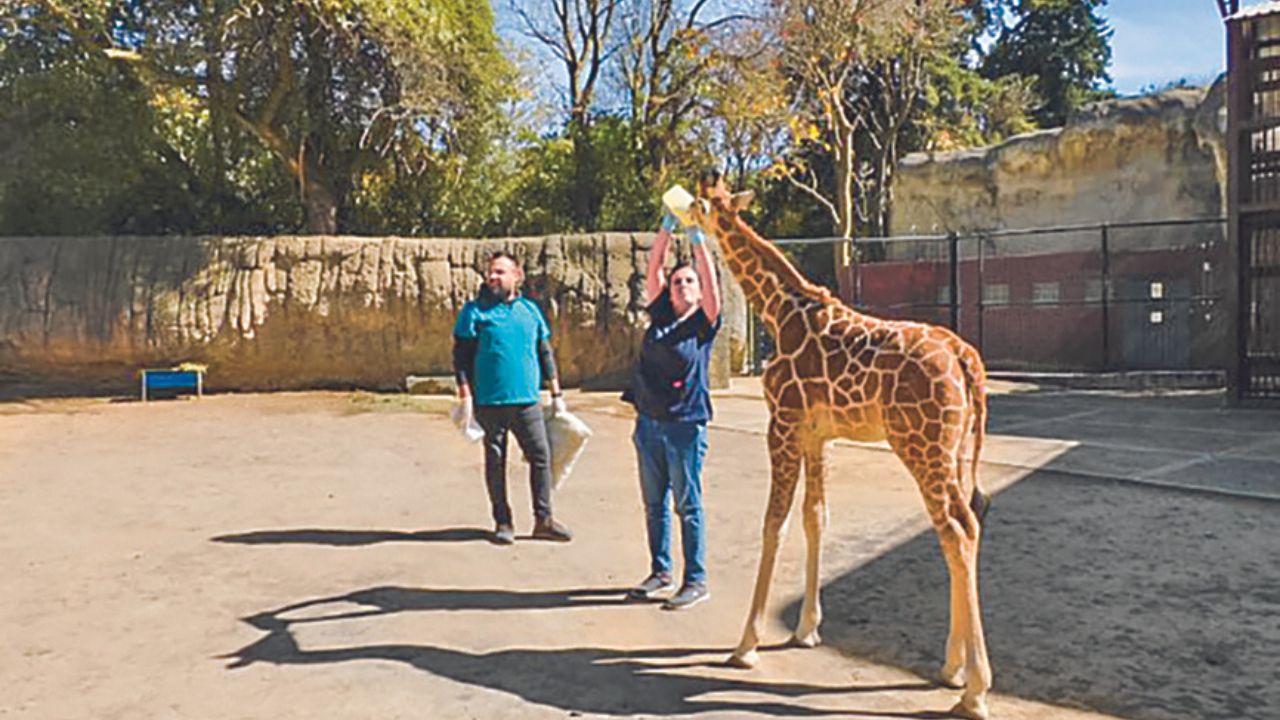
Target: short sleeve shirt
{"points": [[507, 371], [670, 379]]}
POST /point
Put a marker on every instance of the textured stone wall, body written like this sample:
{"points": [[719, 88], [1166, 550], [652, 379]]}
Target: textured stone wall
{"points": [[1158, 157], [271, 313]]}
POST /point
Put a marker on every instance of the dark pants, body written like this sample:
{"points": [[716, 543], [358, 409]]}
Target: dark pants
{"points": [[526, 423]]}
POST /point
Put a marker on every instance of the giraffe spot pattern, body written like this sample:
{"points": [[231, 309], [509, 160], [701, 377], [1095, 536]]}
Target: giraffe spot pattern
{"points": [[911, 378], [808, 361], [791, 334]]}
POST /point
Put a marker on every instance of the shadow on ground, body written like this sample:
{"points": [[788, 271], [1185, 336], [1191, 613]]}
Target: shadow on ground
{"points": [[578, 680], [1191, 439], [1124, 599], [314, 536]]}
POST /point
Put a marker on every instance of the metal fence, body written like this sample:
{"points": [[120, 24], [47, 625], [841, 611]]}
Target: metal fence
{"points": [[1112, 296]]}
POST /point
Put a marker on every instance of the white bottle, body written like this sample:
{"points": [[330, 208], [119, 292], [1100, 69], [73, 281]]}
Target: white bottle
{"points": [[678, 201]]}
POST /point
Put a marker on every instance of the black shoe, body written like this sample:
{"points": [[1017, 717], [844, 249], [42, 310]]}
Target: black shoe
{"points": [[549, 529], [504, 535], [655, 583], [689, 595]]}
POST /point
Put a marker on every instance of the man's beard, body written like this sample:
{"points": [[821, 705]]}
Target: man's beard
{"points": [[488, 292]]}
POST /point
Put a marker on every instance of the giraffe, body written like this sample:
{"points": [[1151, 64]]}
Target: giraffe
{"points": [[838, 373]]}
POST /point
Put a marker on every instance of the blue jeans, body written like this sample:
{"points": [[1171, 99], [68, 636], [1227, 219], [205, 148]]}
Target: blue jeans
{"points": [[670, 455]]}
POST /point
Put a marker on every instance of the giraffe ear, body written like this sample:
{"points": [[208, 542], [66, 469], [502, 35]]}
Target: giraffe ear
{"points": [[740, 201]]}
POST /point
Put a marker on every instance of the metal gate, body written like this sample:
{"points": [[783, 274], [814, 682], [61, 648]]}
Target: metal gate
{"points": [[1260, 312], [1253, 52], [1154, 322]]}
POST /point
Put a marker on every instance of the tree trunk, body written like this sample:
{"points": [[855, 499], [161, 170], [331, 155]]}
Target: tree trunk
{"points": [[846, 220], [587, 197], [321, 209]]}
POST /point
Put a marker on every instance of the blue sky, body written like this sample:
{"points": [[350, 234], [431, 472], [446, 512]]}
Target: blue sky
{"points": [[1162, 41], [1155, 42]]}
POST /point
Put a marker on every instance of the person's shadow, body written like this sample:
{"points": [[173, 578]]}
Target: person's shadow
{"points": [[582, 680], [315, 536]]}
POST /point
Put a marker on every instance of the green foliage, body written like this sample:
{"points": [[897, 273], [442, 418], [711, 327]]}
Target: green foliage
{"points": [[374, 117], [247, 116], [962, 109], [1063, 45]]}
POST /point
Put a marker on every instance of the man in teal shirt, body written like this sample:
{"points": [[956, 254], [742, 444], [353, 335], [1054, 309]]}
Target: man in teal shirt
{"points": [[501, 356]]}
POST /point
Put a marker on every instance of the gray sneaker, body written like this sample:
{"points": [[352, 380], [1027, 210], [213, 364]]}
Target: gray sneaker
{"points": [[552, 530], [504, 535], [691, 594], [655, 583]]}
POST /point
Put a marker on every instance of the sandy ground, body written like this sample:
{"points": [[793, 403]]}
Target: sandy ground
{"points": [[324, 555]]}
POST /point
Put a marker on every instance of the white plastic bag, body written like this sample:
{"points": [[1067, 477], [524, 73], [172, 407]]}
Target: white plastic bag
{"points": [[567, 434], [464, 416]]}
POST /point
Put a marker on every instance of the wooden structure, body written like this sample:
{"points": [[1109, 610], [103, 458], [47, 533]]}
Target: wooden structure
{"points": [[1253, 187]]}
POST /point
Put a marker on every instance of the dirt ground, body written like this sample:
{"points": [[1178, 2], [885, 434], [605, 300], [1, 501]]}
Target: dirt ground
{"points": [[325, 555]]}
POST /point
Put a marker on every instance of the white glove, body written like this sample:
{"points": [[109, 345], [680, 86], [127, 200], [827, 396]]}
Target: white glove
{"points": [[461, 412], [464, 416], [558, 406]]}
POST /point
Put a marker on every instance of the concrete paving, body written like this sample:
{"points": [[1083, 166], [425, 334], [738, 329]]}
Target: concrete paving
{"points": [[326, 555]]}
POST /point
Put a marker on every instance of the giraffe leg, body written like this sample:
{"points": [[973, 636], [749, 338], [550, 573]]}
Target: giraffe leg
{"points": [[784, 458], [960, 545], [815, 520], [959, 530], [953, 670]]}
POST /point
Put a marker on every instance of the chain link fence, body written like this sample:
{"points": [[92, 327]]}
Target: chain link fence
{"points": [[1116, 296]]}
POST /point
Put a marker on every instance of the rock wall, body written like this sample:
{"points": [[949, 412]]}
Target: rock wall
{"points": [[1157, 157], [276, 313]]}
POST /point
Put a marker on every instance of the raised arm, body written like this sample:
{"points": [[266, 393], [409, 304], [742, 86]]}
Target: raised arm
{"points": [[655, 280], [705, 267]]}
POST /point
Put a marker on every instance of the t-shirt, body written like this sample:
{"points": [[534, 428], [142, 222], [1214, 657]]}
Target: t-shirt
{"points": [[669, 381], [507, 334]]}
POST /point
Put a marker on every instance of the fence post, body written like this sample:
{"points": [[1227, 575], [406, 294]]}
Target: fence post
{"points": [[1106, 298], [981, 294], [953, 253], [857, 273]]}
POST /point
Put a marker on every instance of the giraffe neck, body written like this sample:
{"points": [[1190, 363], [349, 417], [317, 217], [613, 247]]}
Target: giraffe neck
{"points": [[767, 278]]}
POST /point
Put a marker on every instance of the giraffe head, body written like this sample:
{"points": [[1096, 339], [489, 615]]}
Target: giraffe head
{"points": [[716, 210], [761, 268]]}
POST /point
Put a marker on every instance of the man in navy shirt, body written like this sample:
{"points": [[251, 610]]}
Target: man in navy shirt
{"points": [[673, 405], [501, 356]]}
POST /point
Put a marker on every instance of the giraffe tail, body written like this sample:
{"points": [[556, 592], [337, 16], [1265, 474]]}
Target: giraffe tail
{"points": [[975, 382]]}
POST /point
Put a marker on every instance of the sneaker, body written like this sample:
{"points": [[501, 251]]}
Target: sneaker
{"points": [[504, 535], [689, 595], [655, 583], [549, 529]]}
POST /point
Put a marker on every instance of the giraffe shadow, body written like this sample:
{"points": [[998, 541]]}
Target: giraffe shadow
{"points": [[596, 681], [1096, 594]]}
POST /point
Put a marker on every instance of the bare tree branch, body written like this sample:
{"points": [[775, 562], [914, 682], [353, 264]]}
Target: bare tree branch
{"points": [[812, 190]]}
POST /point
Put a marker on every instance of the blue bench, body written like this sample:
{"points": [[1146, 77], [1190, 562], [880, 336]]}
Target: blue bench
{"points": [[172, 380]]}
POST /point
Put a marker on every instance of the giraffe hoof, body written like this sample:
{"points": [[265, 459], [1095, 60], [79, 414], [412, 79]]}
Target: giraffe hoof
{"points": [[973, 709], [744, 660], [807, 639], [952, 678]]}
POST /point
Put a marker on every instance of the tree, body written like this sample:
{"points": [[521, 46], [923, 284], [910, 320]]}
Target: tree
{"points": [[334, 90], [749, 129], [79, 148], [1064, 45], [673, 60], [856, 72], [577, 34]]}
